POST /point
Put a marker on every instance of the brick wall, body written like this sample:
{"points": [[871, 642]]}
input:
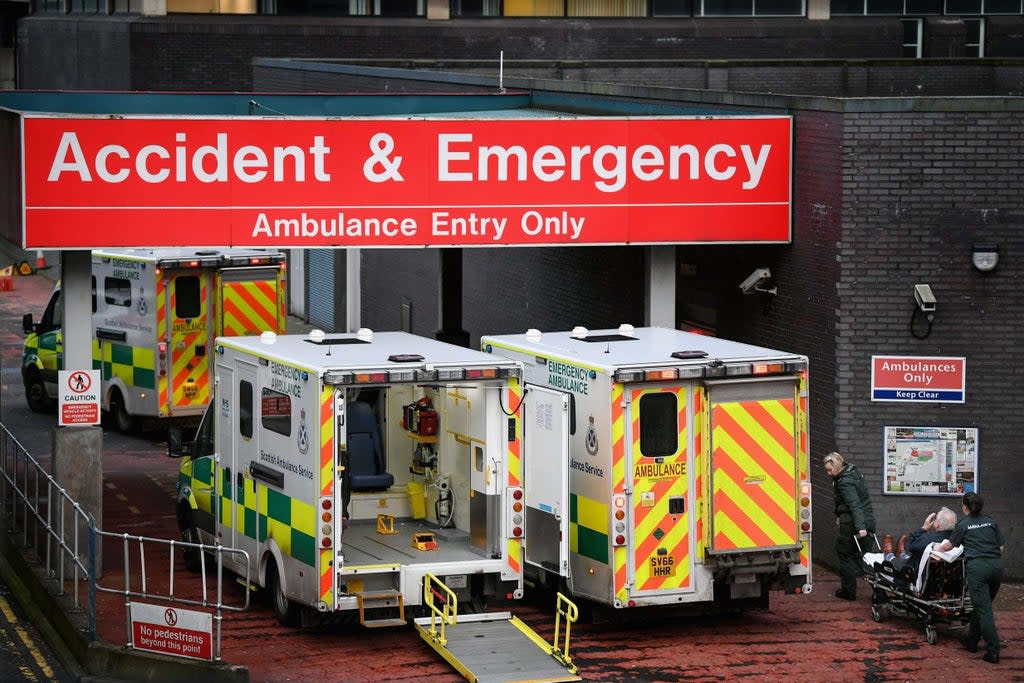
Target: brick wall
{"points": [[918, 189]]}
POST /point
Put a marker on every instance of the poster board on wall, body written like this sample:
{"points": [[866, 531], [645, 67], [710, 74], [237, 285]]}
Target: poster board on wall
{"points": [[933, 461]]}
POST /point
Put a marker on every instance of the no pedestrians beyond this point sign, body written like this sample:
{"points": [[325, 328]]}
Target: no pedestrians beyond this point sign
{"points": [[172, 631], [78, 397]]}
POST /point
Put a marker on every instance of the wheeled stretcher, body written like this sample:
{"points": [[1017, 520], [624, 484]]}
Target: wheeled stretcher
{"points": [[934, 592]]}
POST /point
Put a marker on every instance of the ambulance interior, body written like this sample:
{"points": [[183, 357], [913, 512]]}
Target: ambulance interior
{"points": [[419, 455]]}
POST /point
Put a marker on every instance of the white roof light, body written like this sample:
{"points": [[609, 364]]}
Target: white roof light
{"points": [[364, 334], [626, 330], [533, 334], [316, 335], [578, 332], [268, 337]]}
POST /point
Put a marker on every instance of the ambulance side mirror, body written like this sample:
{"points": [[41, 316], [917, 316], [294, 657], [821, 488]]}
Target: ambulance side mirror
{"points": [[176, 446], [27, 325]]}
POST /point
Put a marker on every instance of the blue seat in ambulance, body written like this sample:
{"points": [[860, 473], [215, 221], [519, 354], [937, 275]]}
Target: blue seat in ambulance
{"points": [[365, 457]]}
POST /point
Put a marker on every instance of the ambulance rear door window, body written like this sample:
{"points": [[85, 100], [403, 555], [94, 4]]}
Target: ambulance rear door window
{"points": [[659, 433]]}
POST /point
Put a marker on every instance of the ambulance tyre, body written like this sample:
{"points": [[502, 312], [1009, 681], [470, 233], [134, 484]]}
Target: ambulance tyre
{"points": [[35, 392], [288, 613], [190, 534], [123, 422]]}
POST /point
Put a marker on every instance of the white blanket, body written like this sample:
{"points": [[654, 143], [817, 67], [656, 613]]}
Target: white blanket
{"points": [[929, 552], [871, 559]]}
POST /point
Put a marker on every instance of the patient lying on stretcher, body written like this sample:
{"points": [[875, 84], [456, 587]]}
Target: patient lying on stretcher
{"points": [[906, 567]]}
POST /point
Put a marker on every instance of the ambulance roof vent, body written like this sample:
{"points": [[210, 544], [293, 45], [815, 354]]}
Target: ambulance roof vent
{"points": [[268, 337], [364, 334], [533, 334], [579, 332], [626, 330], [316, 336]]}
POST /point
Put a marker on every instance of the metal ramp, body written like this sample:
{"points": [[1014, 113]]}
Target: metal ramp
{"points": [[496, 647]]}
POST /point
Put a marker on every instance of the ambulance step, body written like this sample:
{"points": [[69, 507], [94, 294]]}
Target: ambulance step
{"points": [[366, 599]]}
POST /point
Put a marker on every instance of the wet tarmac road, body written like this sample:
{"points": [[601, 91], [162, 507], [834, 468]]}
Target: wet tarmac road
{"points": [[814, 637]]}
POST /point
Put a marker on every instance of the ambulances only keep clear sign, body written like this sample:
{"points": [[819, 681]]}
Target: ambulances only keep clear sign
{"points": [[289, 182], [918, 379], [78, 398]]}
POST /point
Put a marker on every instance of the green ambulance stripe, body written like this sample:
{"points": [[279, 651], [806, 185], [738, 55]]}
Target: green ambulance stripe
{"points": [[291, 521], [588, 527], [135, 365]]}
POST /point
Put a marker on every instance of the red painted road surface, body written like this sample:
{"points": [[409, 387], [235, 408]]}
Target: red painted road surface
{"points": [[814, 637]]}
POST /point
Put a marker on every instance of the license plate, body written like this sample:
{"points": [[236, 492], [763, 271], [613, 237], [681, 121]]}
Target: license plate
{"points": [[455, 581], [662, 565], [191, 390]]}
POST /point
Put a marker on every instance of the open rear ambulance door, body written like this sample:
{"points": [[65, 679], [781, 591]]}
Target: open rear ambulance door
{"points": [[189, 339], [755, 464], [545, 479]]}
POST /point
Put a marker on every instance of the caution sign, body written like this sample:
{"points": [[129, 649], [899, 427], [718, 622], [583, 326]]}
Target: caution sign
{"points": [[78, 397], [172, 631]]}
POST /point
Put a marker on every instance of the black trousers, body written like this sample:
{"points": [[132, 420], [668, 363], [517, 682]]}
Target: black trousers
{"points": [[849, 559]]}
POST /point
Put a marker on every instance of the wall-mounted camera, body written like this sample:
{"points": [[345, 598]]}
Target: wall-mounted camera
{"points": [[758, 281], [925, 299]]}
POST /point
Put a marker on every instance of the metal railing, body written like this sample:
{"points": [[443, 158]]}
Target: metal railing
{"points": [[63, 538]]}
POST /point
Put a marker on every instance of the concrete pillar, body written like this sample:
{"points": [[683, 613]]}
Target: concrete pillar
{"points": [[818, 10], [76, 284], [153, 8], [353, 290], [438, 9], [78, 468], [661, 287]]}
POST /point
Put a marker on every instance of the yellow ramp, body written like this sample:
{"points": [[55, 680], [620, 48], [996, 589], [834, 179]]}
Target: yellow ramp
{"points": [[496, 648]]}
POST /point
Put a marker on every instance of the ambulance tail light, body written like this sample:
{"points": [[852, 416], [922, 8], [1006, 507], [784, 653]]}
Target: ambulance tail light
{"points": [[515, 515], [805, 507], [326, 522], [162, 350], [618, 519]]}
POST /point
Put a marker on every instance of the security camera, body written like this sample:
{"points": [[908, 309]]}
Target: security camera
{"points": [[925, 299], [755, 281]]}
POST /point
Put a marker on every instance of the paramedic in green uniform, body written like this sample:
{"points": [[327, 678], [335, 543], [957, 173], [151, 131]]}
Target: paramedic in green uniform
{"points": [[983, 547], [854, 516]]}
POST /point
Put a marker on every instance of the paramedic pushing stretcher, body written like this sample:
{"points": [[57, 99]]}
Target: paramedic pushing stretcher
{"points": [[983, 548], [854, 516]]}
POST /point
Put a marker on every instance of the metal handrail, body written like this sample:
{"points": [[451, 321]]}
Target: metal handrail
{"points": [[564, 607], [56, 527], [447, 614]]}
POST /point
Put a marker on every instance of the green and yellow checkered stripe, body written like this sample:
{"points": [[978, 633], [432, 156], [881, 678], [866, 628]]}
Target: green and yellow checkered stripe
{"points": [[588, 528], [133, 365]]}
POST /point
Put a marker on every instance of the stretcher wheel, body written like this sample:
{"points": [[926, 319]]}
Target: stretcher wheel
{"points": [[880, 612], [931, 634]]}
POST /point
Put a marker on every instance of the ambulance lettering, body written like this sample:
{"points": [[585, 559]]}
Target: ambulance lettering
{"points": [[659, 470]]}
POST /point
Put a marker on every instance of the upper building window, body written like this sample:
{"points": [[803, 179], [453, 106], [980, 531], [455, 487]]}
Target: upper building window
{"points": [[749, 8]]}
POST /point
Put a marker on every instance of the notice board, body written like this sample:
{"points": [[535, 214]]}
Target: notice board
{"points": [[930, 460]]}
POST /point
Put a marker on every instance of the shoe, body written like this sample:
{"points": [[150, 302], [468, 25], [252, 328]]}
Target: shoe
{"points": [[901, 545], [969, 645], [840, 593], [991, 657]]}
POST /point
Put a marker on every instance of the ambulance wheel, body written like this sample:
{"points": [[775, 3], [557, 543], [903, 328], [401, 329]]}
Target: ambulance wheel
{"points": [[288, 613], [35, 392], [193, 562], [123, 421]]}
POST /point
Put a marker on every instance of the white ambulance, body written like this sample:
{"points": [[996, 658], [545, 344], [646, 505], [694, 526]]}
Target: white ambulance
{"points": [[350, 466], [662, 467], [155, 315]]}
